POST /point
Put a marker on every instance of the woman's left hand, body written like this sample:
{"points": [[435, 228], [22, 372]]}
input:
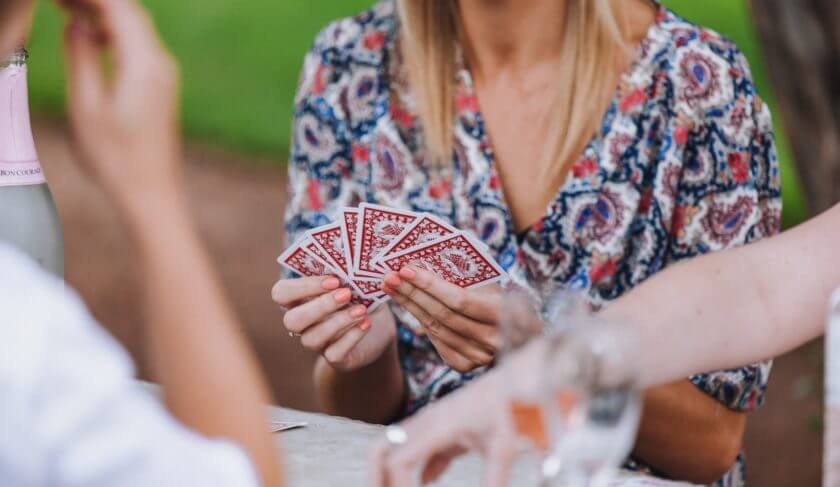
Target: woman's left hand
{"points": [[461, 323]]}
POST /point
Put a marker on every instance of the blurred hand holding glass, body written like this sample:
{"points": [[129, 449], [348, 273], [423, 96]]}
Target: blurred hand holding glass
{"points": [[573, 401]]}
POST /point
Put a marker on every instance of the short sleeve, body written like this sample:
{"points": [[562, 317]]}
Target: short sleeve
{"points": [[72, 413], [728, 188], [321, 160]]}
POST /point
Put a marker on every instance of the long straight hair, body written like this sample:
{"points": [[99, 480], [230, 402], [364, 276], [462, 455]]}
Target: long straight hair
{"points": [[585, 81]]}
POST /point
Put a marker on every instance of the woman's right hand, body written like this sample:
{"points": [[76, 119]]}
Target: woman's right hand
{"points": [[319, 310]]}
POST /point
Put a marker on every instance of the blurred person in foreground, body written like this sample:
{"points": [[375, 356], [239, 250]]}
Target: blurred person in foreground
{"points": [[589, 143], [70, 410]]}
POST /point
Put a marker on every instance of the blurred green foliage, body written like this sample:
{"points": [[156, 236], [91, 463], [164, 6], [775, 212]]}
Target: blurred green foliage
{"points": [[240, 62]]}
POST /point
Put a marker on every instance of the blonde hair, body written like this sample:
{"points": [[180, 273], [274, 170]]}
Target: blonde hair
{"points": [[586, 80]]}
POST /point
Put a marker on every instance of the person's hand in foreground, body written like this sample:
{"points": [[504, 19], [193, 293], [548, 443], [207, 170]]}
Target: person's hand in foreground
{"points": [[124, 120], [470, 419], [461, 323], [473, 418]]}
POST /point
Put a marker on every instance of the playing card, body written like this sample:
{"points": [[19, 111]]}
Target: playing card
{"points": [[370, 303], [456, 258], [307, 258], [349, 218], [328, 240], [278, 426], [323, 257], [371, 287], [427, 228], [359, 295], [376, 227], [301, 260]]}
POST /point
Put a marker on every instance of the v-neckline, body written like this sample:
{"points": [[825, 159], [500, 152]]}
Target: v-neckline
{"points": [[464, 76]]}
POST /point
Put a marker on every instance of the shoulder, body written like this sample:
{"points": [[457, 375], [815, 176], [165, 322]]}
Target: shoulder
{"points": [[346, 48], [700, 69]]}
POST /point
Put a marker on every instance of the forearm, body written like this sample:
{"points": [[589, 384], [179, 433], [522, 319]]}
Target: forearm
{"points": [[194, 342], [735, 307], [374, 393], [687, 434]]}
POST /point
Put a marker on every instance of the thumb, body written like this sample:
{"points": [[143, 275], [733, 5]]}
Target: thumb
{"points": [[85, 81]]}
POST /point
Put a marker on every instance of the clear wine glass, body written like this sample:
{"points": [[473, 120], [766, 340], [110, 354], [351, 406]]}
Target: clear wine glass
{"points": [[592, 400], [526, 315]]}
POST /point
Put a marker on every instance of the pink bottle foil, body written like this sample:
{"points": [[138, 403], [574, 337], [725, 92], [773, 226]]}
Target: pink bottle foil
{"points": [[19, 163]]}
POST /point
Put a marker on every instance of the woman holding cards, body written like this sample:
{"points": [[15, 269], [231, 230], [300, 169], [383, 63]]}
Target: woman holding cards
{"points": [[588, 144]]}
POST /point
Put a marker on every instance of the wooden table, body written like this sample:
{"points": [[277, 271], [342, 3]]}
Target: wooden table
{"points": [[333, 452]]}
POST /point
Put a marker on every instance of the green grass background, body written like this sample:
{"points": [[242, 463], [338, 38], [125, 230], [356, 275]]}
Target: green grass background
{"points": [[240, 61]]}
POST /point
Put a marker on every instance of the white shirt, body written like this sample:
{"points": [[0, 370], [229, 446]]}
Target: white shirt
{"points": [[71, 414]]}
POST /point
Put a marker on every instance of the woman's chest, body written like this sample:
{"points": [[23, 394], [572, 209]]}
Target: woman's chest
{"points": [[518, 132], [612, 212]]}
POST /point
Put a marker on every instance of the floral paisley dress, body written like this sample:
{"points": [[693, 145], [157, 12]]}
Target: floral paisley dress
{"points": [[684, 163]]}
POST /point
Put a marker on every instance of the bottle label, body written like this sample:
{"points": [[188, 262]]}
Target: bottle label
{"points": [[19, 163], [21, 173]]}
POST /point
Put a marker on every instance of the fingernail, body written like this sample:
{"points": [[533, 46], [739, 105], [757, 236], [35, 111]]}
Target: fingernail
{"points": [[392, 280], [330, 283], [342, 295], [365, 325], [407, 273], [358, 311]]}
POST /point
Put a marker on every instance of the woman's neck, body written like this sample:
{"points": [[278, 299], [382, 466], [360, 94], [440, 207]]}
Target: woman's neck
{"points": [[511, 33]]}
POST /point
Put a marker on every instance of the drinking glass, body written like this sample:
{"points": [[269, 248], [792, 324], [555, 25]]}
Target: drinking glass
{"points": [[592, 401], [525, 316]]}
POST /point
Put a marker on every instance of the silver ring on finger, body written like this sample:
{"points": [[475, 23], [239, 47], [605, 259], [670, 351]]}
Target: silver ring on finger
{"points": [[295, 334], [396, 435]]}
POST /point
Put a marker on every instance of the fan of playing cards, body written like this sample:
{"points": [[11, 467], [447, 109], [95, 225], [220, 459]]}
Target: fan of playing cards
{"points": [[371, 240]]}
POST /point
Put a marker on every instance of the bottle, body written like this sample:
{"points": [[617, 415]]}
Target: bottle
{"points": [[28, 217], [831, 436]]}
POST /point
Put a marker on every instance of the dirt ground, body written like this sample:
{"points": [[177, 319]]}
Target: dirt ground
{"points": [[238, 204]]}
